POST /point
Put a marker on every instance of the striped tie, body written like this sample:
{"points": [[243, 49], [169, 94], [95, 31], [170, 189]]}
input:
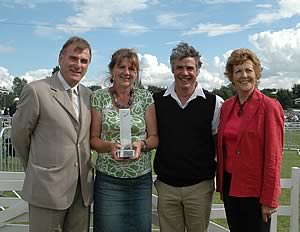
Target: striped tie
{"points": [[74, 98]]}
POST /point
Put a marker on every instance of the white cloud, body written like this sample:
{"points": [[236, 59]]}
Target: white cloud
{"points": [[264, 6], [209, 80], [286, 9], [159, 74], [170, 19], [172, 42], [280, 53], [87, 82], [133, 29], [46, 30], [14, 3], [94, 13], [5, 49], [36, 74], [278, 81], [213, 29], [225, 1], [153, 72], [26, 3], [6, 79]]}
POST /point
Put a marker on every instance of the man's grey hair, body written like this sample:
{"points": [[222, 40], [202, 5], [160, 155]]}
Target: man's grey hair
{"points": [[184, 50]]}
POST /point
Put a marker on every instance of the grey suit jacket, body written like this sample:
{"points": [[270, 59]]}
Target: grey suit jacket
{"points": [[53, 146]]}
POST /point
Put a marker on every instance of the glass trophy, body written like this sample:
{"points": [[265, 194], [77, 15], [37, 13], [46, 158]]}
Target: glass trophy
{"points": [[126, 151]]}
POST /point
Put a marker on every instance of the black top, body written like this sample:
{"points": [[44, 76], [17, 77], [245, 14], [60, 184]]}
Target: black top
{"points": [[185, 155]]}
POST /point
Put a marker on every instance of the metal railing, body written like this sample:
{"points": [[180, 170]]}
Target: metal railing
{"points": [[8, 159], [10, 163], [292, 136]]}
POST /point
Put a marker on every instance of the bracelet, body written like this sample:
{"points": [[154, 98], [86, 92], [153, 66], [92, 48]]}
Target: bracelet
{"points": [[145, 145]]}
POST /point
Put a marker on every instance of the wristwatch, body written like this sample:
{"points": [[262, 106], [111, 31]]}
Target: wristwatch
{"points": [[145, 145]]}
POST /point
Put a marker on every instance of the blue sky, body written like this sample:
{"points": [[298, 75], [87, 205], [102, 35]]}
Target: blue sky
{"points": [[33, 32]]}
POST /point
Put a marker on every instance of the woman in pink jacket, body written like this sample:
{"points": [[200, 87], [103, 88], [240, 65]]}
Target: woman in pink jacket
{"points": [[250, 143]]}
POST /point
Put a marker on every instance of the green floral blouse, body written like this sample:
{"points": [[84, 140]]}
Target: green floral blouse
{"points": [[101, 100]]}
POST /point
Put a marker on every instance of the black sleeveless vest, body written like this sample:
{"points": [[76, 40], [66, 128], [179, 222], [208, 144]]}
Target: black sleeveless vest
{"points": [[185, 155]]}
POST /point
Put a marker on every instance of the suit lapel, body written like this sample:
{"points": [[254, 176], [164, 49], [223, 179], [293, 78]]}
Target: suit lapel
{"points": [[62, 97], [253, 106]]}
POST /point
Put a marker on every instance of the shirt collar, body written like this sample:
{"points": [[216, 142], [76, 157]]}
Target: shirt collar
{"points": [[171, 91], [65, 84], [198, 91]]}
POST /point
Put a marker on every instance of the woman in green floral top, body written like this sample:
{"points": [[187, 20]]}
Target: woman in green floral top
{"points": [[123, 187]]}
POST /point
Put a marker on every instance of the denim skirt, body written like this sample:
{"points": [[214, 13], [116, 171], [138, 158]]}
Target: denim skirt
{"points": [[122, 204]]}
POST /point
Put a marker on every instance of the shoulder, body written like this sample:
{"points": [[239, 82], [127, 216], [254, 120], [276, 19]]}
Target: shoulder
{"points": [[86, 89], [159, 94], [100, 98], [211, 98], [100, 92], [209, 94], [38, 86], [229, 101], [271, 104], [39, 83], [144, 96], [139, 91]]}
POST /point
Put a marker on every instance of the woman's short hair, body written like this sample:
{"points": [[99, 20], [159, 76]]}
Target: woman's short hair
{"points": [[239, 56]]}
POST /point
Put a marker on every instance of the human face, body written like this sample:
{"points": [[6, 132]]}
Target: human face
{"points": [[244, 77], [185, 73], [74, 64], [124, 73]]}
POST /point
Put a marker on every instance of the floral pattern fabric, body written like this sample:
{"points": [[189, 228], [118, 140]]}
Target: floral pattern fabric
{"points": [[101, 100]]}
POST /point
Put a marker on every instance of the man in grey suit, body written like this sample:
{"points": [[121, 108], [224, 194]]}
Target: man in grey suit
{"points": [[50, 133]]}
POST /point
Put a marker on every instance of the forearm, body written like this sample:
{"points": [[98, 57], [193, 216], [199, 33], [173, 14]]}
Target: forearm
{"points": [[100, 145], [152, 142]]}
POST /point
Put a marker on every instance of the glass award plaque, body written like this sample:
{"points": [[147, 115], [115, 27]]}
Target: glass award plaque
{"points": [[125, 135]]}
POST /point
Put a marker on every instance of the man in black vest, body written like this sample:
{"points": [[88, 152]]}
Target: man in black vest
{"points": [[187, 117]]}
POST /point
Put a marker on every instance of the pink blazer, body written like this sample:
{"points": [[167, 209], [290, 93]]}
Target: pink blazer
{"points": [[256, 166]]}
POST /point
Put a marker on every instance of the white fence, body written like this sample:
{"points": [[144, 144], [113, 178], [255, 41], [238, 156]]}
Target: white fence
{"points": [[8, 159], [292, 136], [14, 214], [15, 209], [5, 121]]}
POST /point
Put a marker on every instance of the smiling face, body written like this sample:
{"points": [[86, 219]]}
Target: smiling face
{"points": [[124, 73], [74, 63], [244, 77], [185, 73]]}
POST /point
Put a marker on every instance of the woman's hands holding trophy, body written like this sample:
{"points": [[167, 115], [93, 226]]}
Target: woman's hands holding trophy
{"points": [[132, 152]]}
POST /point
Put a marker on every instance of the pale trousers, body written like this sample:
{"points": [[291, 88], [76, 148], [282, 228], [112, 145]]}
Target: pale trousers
{"points": [[76, 218], [183, 209]]}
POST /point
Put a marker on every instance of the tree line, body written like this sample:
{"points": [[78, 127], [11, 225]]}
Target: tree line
{"points": [[284, 96]]}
